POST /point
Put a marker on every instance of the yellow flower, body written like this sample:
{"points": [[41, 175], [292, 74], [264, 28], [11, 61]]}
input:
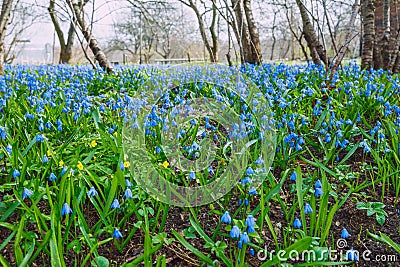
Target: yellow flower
{"points": [[48, 153], [165, 164], [61, 163], [93, 143], [79, 165], [127, 164], [115, 134]]}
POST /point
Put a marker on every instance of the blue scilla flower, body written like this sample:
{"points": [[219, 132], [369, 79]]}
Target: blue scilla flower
{"points": [[249, 171], [117, 233], [115, 204], [92, 192], [318, 192], [246, 202], [226, 218], [252, 191], [246, 180], [26, 193], [39, 138], [235, 232], [128, 183], [128, 193], [16, 174], [210, 170], [307, 208], [52, 177], [240, 246], [66, 209], [3, 133], [352, 255], [64, 170], [45, 159], [158, 150], [328, 138], [365, 145], [121, 166], [192, 175], [250, 223], [245, 238], [259, 161], [9, 149], [293, 176], [297, 223], [318, 184], [345, 234], [251, 252]]}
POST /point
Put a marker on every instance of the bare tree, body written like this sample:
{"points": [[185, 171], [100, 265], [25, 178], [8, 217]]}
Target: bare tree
{"points": [[247, 37], [318, 52], [211, 46], [76, 7], [66, 44], [368, 39], [4, 17]]}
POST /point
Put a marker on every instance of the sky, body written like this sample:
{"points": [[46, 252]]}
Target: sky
{"points": [[42, 32]]}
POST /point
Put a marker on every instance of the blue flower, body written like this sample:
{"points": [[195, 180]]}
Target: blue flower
{"points": [[16, 174], [117, 233], [128, 183], [245, 238], [352, 255], [121, 166], [26, 193], [9, 149], [235, 232], [249, 171], [92, 192], [115, 204], [307, 208], [293, 176], [252, 191], [246, 180], [318, 192], [128, 193], [252, 252], [226, 218], [345, 234], [259, 161], [318, 184], [240, 245], [45, 159], [192, 175], [210, 170], [246, 202], [297, 223], [250, 223], [66, 209], [52, 177]]}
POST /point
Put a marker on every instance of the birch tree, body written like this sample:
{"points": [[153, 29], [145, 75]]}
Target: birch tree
{"points": [[4, 17]]}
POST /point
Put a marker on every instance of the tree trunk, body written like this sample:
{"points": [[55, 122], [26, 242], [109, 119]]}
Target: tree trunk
{"points": [[318, 52], [368, 22], [212, 50], [256, 57], [93, 45], [386, 35], [347, 40], [4, 17], [248, 38]]}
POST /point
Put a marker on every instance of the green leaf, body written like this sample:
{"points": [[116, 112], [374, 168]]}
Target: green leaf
{"points": [[100, 261], [195, 251], [385, 239], [380, 218]]}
